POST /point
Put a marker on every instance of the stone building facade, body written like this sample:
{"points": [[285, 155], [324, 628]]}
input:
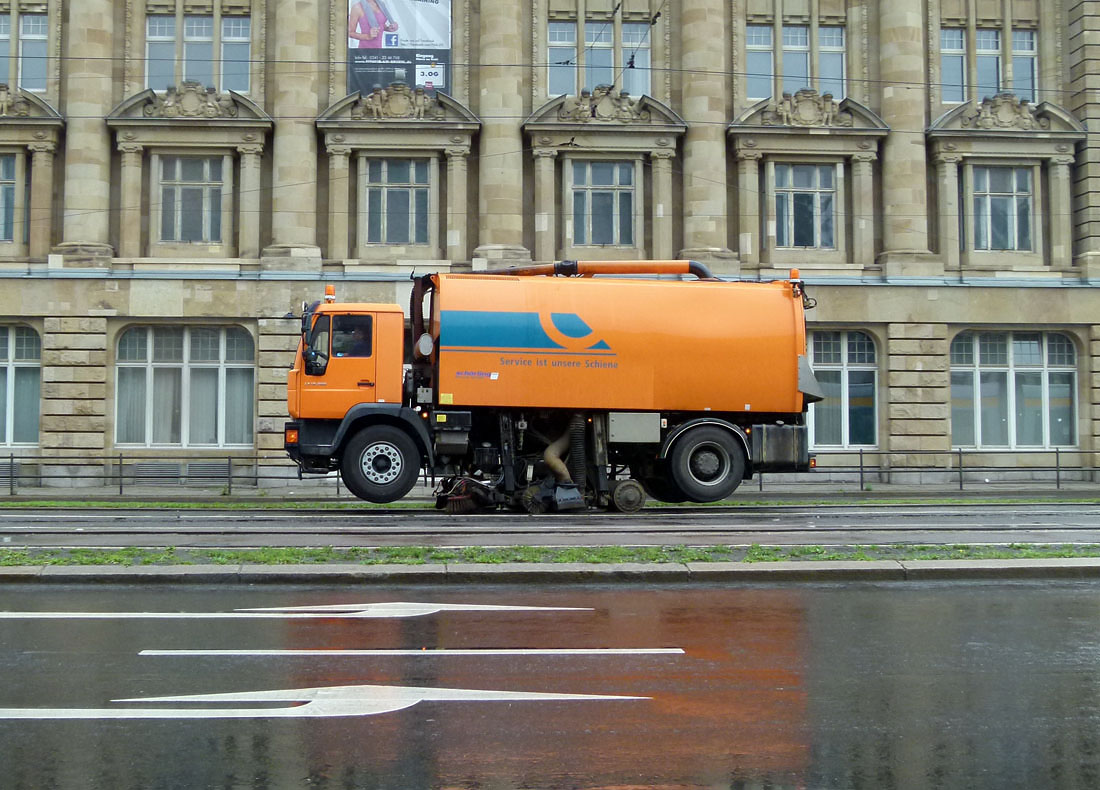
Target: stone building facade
{"points": [[178, 176]]}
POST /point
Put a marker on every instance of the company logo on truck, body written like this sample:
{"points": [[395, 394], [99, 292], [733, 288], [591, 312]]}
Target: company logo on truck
{"points": [[484, 331]]}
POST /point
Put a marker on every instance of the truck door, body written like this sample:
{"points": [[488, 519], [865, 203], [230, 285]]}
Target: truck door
{"points": [[344, 370]]}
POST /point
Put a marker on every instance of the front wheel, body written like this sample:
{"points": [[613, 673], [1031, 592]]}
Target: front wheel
{"points": [[707, 464], [380, 464]]}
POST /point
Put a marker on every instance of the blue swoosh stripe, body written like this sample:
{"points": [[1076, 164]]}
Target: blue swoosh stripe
{"points": [[479, 329]]}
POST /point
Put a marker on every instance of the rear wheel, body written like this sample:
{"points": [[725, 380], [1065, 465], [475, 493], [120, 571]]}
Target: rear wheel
{"points": [[380, 464], [707, 464]]}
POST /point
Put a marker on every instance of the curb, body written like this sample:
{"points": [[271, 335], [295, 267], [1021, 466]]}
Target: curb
{"points": [[565, 573]]}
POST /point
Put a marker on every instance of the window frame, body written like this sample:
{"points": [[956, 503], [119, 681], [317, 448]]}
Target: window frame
{"points": [[609, 37], [959, 53], [757, 47], [427, 248], [845, 367], [827, 256], [1011, 371], [972, 254], [988, 54], [187, 366], [184, 37], [1029, 57], [635, 189], [10, 362], [14, 42], [222, 246]]}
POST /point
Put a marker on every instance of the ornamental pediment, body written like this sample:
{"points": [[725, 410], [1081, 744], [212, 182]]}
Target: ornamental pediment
{"points": [[23, 106], [1006, 114], [808, 109], [398, 104], [604, 107], [189, 102]]}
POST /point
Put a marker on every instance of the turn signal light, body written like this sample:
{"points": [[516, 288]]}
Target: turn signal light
{"points": [[813, 463], [291, 436]]}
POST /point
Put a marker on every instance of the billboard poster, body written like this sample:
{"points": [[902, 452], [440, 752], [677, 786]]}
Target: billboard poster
{"points": [[398, 41]]}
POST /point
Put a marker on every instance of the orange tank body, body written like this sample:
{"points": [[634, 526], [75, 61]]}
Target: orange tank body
{"points": [[619, 344]]}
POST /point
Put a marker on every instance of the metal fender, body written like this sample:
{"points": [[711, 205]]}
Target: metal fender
{"points": [[392, 413], [683, 428]]}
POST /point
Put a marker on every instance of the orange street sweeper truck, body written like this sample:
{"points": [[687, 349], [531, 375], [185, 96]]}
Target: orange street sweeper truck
{"points": [[549, 388]]}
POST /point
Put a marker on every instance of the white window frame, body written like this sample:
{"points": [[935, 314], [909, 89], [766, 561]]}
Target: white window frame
{"points": [[835, 192], [1025, 57], [636, 54], [599, 39], [796, 47], [569, 68], [987, 50], [385, 188], [14, 356], [851, 360], [187, 366], [957, 53], [24, 37], [201, 46], [756, 42], [583, 238], [561, 71], [974, 362], [223, 187], [827, 48], [981, 207]]}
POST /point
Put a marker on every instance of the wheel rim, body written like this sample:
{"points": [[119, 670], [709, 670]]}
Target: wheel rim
{"points": [[381, 463], [708, 464]]}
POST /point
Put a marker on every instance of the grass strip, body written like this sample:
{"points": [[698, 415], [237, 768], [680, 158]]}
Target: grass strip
{"points": [[426, 555]]}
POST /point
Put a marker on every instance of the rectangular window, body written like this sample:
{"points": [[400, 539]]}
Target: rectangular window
{"points": [[603, 203], [5, 47], [212, 55], [759, 61], [988, 51], [191, 199], [844, 364], [561, 56], [953, 64], [7, 197], [831, 57], [636, 58], [33, 35], [796, 58], [1024, 59], [20, 385], [805, 201], [1002, 208], [599, 55], [397, 201]]}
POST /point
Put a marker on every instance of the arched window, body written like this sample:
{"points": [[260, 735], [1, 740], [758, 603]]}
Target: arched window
{"points": [[845, 366], [1013, 389], [185, 387], [20, 377]]}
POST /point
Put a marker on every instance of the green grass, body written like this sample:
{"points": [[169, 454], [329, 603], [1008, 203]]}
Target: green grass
{"points": [[426, 555]]}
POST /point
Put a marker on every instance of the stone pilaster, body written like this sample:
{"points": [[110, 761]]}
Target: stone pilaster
{"points": [[89, 67], [1093, 391], [500, 164], [73, 426], [457, 202], [339, 193], [748, 202], [917, 396], [904, 99], [863, 208], [249, 244], [1082, 53], [130, 224], [705, 102], [296, 94], [1060, 186], [41, 216], [947, 177], [661, 225], [546, 215]]}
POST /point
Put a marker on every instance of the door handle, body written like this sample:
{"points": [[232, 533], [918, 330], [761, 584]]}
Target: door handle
{"points": [[366, 383]]}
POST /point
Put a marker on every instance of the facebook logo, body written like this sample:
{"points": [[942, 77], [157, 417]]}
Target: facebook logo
{"points": [[390, 40]]}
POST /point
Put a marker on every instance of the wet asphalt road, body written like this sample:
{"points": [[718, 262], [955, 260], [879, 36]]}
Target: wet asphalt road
{"points": [[951, 685]]}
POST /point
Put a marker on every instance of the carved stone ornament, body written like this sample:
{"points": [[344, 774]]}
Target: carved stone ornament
{"points": [[397, 101], [12, 104], [191, 100], [806, 108], [603, 104], [1004, 111]]}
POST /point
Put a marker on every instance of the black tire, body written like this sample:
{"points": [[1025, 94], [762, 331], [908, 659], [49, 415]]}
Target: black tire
{"points": [[707, 464], [663, 490], [380, 464]]}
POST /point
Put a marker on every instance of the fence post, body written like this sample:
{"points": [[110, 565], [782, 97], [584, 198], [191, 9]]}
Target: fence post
{"points": [[960, 469], [1058, 468], [120, 474], [861, 488], [229, 474], [11, 478]]}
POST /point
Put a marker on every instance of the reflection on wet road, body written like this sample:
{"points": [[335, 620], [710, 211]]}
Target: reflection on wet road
{"points": [[819, 686]]}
